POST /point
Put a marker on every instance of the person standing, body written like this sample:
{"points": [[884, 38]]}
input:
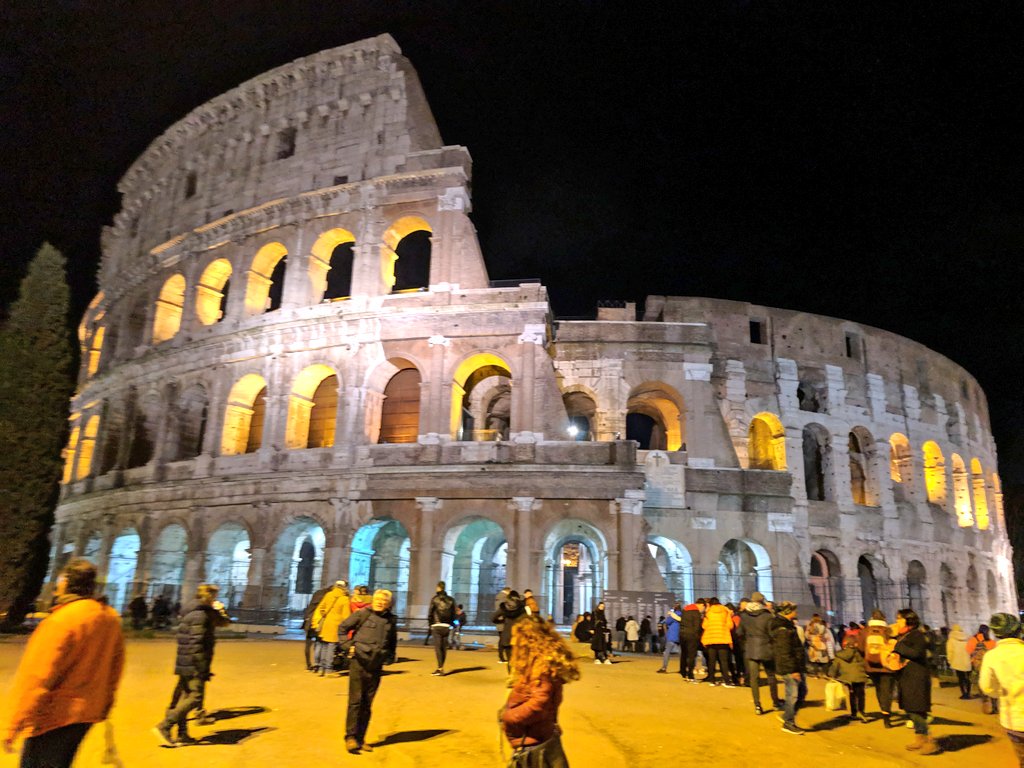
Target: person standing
{"points": [[374, 642], [848, 668], [499, 619], [671, 623], [790, 661], [333, 609], [541, 664], [138, 610], [717, 639], [510, 610], [1002, 676], [875, 642], [915, 680], [620, 633], [689, 639], [632, 634], [755, 619], [68, 675], [532, 606], [440, 616], [601, 639], [309, 625], [193, 663], [959, 660], [977, 646]]}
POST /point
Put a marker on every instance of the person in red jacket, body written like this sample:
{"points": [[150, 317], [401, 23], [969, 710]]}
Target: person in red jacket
{"points": [[541, 663]]}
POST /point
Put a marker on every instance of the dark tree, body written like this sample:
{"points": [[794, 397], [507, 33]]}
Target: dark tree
{"points": [[35, 385]]}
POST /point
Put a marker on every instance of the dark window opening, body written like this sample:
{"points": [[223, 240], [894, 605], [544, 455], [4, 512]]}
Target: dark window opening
{"points": [[276, 285], [853, 346], [191, 181], [224, 300], [340, 180], [412, 269], [339, 276], [286, 143], [757, 332]]}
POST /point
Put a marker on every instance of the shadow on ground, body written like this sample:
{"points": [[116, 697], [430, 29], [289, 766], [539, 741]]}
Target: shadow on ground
{"points": [[231, 736], [230, 713], [463, 669], [958, 741], [405, 737]]}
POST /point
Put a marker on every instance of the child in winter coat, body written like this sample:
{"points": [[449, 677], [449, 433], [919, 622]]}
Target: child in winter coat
{"points": [[848, 668]]}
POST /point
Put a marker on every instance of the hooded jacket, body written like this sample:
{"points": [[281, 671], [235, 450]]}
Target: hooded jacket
{"points": [[753, 632], [915, 679], [848, 666], [510, 609], [690, 623], [1002, 675], [672, 625], [333, 609], [956, 650], [717, 626], [787, 648]]}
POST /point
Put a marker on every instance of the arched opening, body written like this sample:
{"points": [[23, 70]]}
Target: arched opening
{"points": [[934, 473], [861, 451], [69, 455], [826, 584], [980, 495], [473, 565], [124, 556], [330, 264], [405, 254], [135, 328], [193, 413], [997, 501], [91, 335], [971, 583], [961, 493], [655, 417], [950, 608], [143, 432], [312, 409], [380, 560], [744, 566], [266, 279], [400, 412], [580, 410], [244, 416], [227, 562], [576, 568], [916, 578], [675, 565], [899, 466], [766, 443], [873, 577], [299, 563], [212, 292], [481, 399], [167, 315], [809, 397], [167, 567], [817, 463], [87, 447]]}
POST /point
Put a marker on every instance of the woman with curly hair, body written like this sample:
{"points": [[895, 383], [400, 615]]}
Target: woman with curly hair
{"points": [[541, 663]]}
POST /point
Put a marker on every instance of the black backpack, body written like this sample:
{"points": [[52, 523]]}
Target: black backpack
{"points": [[445, 613]]}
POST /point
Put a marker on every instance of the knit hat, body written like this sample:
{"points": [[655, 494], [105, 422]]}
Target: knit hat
{"points": [[341, 584], [785, 609], [1004, 625], [756, 597]]}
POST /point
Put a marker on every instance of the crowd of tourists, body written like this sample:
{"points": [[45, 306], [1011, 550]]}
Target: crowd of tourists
{"points": [[72, 664]]}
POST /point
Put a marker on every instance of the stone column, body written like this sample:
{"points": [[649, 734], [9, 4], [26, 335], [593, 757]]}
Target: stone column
{"points": [[255, 579], [422, 566], [524, 427], [523, 508], [195, 572], [435, 419], [630, 509], [879, 465], [734, 409]]}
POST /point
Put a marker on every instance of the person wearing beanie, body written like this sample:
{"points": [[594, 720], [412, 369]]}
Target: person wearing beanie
{"points": [[755, 619], [1002, 676]]}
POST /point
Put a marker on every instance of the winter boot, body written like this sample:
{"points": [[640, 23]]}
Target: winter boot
{"points": [[918, 742], [930, 747]]}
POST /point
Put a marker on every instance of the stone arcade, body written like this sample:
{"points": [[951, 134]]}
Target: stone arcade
{"points": [[297, 370]]}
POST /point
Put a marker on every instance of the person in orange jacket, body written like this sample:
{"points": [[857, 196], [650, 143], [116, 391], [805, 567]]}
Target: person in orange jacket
{"points": [[717, 640], [69, 673]]}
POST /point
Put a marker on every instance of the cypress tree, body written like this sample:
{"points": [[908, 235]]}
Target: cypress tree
{"points": [[35, 385]]}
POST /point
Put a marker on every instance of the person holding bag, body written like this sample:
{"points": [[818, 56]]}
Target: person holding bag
{"points": [[849, 670], [541, 663]]}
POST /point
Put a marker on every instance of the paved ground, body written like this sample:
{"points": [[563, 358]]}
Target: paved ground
{"points": [[271, 712]]}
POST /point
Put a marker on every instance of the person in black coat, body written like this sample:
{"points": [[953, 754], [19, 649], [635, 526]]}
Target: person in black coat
{"points": [[193, 662], [913, 645], [511, 608], [755, 619], [790, 660], [308, 625], [690, 631]]}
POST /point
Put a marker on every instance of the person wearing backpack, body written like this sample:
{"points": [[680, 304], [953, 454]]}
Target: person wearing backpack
{"points": [[977, 647], [440, 618], [875, 644]]}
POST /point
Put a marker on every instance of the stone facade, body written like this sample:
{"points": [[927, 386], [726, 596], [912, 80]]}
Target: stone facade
{"points": [[298, 370]]}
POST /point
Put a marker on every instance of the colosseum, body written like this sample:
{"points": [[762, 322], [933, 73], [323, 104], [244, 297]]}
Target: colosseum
{"points": [[297, 370]]}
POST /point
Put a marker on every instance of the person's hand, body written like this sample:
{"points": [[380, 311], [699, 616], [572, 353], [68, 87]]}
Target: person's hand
{"points": [[8, 745]]}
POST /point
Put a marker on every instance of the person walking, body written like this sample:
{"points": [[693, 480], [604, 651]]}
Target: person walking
{"points": [[511, 610], [913, 645], [541, 664], [755, 619], [671, 623], [440, 617], [68, 674], [499, 619], [717, 639], [790, 662], [192, 663], [848, 668], [1002, 676], [309, 625], [875, 642], [958, 659], [333, 609], [138, 610], [374, 641]]}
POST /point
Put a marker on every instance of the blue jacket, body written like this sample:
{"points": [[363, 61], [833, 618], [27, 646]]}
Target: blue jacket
{"points": [[672, 626]]}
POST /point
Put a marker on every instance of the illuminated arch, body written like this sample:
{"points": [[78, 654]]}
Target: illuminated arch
{"points": [[380, 556], [934, 473], [766, 442], [228, 554], [825, 582], [393, 236], [324, 262], [997, 500], [266, 273], [580, 409], [899, 459], [675, 565], [576, 556], [473, 564], [70, 452], [744, 567], [475, 371], [400, 409], [312, 408], [87, 447], [980, 494], [167, 318], [662, 409], [243, 417], [91, 335], [121, 583], [212, 290], [961, 492]]}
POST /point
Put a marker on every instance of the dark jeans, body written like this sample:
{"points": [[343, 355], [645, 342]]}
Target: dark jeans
{"points": [[687, 656], [883, 690], [440, 644], [718, 656], [310, 644], [54, 749], [363, 682], [754, 678], [963, 679], [855, 693], [736, 663], [188, 695], [792, 687]]}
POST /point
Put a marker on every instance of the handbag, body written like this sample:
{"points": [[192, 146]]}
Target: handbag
{"points": [[547, 754], [835, 695]]}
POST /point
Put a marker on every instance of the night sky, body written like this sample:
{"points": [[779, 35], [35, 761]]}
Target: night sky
{"points": [[854, 159]]}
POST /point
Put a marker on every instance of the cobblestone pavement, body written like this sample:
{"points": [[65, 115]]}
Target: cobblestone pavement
{"points": [[271, 712]]}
